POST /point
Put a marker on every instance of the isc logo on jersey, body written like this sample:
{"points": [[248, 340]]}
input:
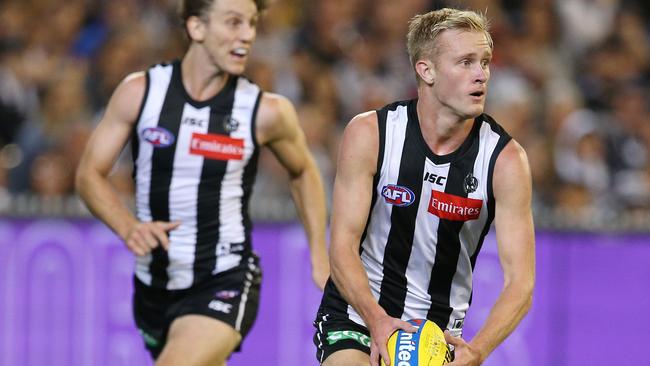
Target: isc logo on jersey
{"points": [[397, 195], [157, 136]]}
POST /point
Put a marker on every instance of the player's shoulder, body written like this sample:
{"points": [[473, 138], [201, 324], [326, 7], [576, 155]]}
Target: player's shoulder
{"points": [[512, 163], [368, 122], [512, 179], [513, 151], [359, 147], [133, 82], [275, 110], [131, 88], [276, 118], [361, 134], [364, 120], [128, 97], [363, 126], [274, 102]]}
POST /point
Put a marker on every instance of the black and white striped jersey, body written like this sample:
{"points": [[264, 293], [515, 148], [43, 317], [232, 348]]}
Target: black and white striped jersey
{"points": [[428, 218], [195, 162]]}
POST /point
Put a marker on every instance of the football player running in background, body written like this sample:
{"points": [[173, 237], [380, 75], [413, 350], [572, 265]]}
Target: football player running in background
{"points": [[196, 128], [418, 185]]}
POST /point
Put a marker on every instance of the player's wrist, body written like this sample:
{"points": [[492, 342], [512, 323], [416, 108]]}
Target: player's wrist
{"points": [[319, 258], [477, 352], [373, 313], [125, 231]]}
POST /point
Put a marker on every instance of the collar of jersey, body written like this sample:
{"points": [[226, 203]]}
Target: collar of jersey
{"points": [[215, 101], [414, 127]]}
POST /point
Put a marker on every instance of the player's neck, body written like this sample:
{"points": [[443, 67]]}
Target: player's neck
{"points": [[443, 131], [202, 79]]}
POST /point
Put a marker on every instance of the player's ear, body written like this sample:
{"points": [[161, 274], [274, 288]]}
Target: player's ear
{"points": [[426, 70], [196, 28]]}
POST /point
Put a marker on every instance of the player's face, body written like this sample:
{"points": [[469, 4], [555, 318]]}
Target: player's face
{"points": [[229, 33], [462, 66]]}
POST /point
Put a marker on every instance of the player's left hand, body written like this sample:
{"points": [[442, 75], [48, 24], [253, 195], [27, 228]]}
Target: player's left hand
{"points": [[464, 354]]}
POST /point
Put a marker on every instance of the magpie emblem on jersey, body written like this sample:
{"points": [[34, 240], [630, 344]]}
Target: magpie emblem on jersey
{"points": [[397, 195], [470, 184], [230, 124], [158, 136]]}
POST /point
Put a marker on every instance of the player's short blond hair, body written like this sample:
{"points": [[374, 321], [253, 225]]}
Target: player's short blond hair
{"points": [[424, 30]]}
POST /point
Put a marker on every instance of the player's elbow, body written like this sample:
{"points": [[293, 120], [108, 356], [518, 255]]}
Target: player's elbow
{"points": [[522, 289], [526, 291], [83, 179], [528, 302], [307, 170]]}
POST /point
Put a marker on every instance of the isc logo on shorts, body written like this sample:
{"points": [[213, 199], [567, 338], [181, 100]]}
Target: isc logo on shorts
{"points": [[217, 147], [397, 195], [220, 306]]}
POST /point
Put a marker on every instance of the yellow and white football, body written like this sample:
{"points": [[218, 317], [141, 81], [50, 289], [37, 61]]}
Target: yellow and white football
{"points": [[426, 347]]}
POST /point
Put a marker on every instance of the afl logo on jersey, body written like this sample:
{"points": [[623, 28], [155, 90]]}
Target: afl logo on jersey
{"points": [[397, 195], [157, 136]]}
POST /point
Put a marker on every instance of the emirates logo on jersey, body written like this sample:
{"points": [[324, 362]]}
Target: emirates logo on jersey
{"points": [[217, 147], [455, 208]]}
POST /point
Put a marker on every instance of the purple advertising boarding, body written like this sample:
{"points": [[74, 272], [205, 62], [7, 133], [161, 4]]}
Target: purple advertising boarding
{"points": [[65, 299]]}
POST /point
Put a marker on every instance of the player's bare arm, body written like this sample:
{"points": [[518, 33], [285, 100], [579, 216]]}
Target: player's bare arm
{"points": [[102, 150], [516, 245], [278, 128], [357, 165]]}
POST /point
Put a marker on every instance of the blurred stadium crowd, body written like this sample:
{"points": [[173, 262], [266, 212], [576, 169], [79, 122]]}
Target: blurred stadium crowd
{"points": [[570, 81]]}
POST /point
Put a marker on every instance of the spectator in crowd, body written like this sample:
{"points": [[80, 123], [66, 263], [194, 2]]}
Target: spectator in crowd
{"points": [[561, 57]]}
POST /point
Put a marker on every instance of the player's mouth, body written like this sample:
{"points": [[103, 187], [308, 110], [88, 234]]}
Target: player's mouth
{"points": [[240, 52], [477, 95]]}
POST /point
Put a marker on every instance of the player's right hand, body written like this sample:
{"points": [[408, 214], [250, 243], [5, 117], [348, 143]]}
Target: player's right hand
{"points": [[145, 236], [464, 354], [380, 330]]}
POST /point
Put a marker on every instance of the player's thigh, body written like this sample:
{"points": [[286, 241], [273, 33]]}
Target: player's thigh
{"points": [[340, 341], [347, 357], [197, 340]]}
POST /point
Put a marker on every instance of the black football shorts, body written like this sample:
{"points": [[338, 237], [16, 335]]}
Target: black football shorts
{"points": [[335, 332], [231, 297]]}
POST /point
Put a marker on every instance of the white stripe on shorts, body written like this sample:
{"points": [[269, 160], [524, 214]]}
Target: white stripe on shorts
{"points": [[244, 295]]}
